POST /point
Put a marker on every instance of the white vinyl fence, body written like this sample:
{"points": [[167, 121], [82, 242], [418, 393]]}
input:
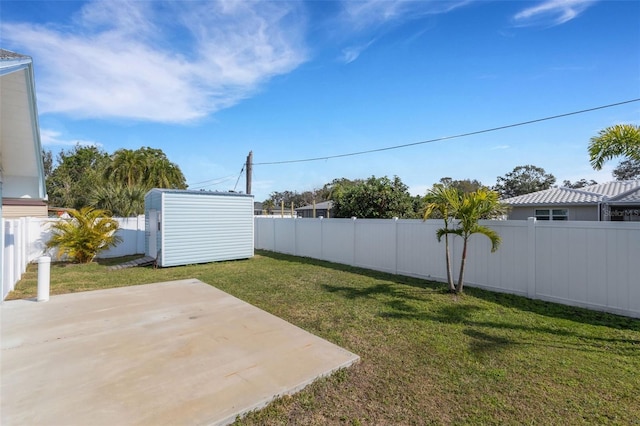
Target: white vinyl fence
{"points": [[25, 239], [590, 264]]}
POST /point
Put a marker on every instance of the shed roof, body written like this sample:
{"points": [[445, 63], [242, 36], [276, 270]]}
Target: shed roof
{"points": [[617, 191], [193, 192]]}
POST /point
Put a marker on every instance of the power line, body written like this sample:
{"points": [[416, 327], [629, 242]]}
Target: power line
{"points": [[212, 184], [239, 176], [221, 179], [477, 132]]}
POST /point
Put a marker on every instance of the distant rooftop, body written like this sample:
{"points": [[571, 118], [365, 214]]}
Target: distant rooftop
{"points": [[325, 205], [619, 191]]}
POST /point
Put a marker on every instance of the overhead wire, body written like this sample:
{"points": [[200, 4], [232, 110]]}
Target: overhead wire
{"points": [[461, 135], [239, 176], [221, 179], [191, 188]]}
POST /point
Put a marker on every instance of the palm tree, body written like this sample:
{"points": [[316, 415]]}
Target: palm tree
{"points": [[268, 205], [162, 173], [88, 232], [119, 200], [614, 141], [469, 209], [127, 166], [441, 199]]}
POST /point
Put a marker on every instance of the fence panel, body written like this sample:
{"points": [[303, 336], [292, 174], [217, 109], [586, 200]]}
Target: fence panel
{"points": [[588, 264], [308, 237], [504, 270], [338, 240], [375, 244], [131, 230], [284, 235], [264, 233], [419, 252]]}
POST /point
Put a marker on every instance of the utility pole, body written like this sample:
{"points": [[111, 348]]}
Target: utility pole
{"points": [[249, 171]]}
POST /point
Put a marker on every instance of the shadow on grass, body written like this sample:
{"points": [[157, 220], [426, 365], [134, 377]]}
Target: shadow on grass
{"points": [[102, 262], [548, 309]]}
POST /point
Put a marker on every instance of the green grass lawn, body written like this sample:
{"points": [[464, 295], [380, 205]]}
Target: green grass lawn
{"points": [[427, 357]]}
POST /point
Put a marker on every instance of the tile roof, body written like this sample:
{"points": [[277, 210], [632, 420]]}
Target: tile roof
{"points": [[616, 191]]}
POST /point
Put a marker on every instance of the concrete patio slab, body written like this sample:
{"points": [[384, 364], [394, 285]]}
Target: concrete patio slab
{"points": [[180, 352]]}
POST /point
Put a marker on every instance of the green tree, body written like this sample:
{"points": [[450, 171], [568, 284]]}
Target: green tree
{"points": [[87, 233], [335, 188], [442, 199], [126, 167], [464, 185], [621, 140], [375, 198], [289, 197], [268, 206], [78, 172], [579, 183], [47, 162], [469, 210], [120, 200], [627, 170], [145, 167], [523, 180], [88, 176]]}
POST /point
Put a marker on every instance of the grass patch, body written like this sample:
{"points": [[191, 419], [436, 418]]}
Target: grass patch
{"points": [[427, 357]]}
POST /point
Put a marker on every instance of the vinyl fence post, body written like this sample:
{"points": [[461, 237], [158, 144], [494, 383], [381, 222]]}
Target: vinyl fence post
{"points": [[395, 259], [531, 257], [44, 275], [353, 220]]}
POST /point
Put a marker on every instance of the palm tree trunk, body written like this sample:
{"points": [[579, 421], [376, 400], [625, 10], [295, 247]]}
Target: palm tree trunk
{"points": [[452, 288], [462, 262]]}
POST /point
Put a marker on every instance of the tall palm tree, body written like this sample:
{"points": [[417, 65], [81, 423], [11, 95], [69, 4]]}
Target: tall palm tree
{"points": [[442, 199], [469, 209], [162, 173], [120, 200], [614, 141], [127, 166]]}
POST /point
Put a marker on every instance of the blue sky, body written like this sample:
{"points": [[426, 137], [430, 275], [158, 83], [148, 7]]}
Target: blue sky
{"points": [[207, 82]]}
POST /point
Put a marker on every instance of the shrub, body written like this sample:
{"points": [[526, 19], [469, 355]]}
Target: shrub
{"points": [[88, 232]]}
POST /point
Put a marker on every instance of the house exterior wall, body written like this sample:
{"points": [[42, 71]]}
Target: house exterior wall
{"points": [[202, 227], [13, 209], [308, 213], [588, 213]]}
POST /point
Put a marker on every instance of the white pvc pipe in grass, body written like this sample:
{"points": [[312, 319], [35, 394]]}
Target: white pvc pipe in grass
{"points": [[44, 275]]}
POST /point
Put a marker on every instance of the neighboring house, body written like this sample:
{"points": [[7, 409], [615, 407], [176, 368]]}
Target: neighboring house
{"points": [[611, 201], [257, 208], [22, 181], [323, 209]]}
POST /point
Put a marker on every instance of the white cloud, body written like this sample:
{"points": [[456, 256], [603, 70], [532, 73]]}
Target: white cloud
{"points": [[53, 137], [552, 12], [159, 61], [500, 147], [369, 16], [350, 54], [368, 13]]}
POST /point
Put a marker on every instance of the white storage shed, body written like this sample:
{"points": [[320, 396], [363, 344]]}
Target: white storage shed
{"points": [[184, 227]]}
